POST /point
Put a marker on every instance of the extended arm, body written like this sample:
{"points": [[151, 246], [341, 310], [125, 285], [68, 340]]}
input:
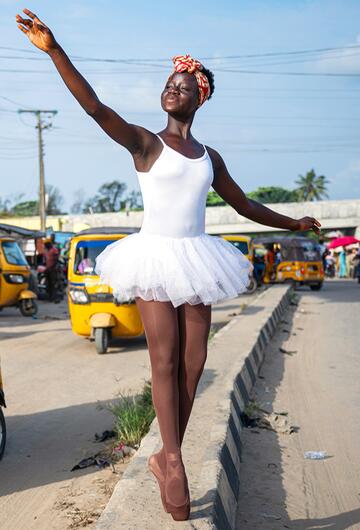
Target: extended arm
{"points": [[227, 188], [132, 137]]}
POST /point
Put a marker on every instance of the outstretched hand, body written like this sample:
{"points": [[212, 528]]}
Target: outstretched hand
{"points": [[38, 32], [308, 223]]}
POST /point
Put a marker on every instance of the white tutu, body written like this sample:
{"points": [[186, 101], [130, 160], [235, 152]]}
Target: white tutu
{"points": [[197, 269]]}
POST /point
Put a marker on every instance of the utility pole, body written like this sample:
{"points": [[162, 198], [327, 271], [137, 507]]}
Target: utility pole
{"points": [[40, 126]]}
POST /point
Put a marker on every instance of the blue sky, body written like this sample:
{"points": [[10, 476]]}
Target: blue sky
{"points": [[269, 126]]}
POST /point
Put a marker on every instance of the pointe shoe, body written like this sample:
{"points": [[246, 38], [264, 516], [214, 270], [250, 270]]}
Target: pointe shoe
{"points": [[158, 473], [179, 512]]}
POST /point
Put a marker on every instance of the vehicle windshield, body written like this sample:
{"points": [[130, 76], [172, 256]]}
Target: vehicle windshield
{"points": [[242, 246], [86, 253], [13, 253], [310, 251]]}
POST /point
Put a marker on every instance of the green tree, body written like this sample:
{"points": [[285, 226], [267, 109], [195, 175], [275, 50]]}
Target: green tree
{"points": [[273, 194], [107, 199], [4, 207], [312, 187], [214, 199], [25, 208], [134, 200], [54, 200]]}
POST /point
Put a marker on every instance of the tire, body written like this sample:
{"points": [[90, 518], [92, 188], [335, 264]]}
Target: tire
{"points": [[316, 287], [2, 433], [102, 337], [252, 286], [28, 307]]}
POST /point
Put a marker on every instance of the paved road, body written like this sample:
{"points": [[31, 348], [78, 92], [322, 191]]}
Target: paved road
{"points": [[54, 384], [319, 386]]}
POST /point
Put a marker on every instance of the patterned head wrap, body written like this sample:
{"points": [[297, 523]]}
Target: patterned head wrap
{"points": [[185, 63]]}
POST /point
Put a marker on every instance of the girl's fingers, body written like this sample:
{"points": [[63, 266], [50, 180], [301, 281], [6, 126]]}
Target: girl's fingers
{"points": [[34, 17], [23, 29], [24, 21]]}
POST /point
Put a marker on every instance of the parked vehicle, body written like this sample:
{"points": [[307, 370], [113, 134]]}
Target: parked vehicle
{"points": [[2, 419], [294, 259], [245, 245], [94, 313], [15, 278]]}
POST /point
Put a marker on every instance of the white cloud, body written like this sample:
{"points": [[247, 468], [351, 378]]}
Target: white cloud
{"points": [[143, 96], [345, 61]]}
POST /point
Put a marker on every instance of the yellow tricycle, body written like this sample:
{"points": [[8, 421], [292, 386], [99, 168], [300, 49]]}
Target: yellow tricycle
{"points": [[245, 245], [292, 259], [94, 312], [15, 278]]}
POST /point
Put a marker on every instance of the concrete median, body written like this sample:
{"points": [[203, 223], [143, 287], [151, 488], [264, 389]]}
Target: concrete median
{"points": [[212, 445]]}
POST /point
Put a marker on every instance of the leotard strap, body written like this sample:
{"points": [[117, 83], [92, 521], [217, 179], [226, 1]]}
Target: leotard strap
{"points": [[165, 145]]}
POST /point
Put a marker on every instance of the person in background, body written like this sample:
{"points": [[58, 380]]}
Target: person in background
{"points": [[342, 263], [51, 261], [356, 264], [270, 261], [259, 268], [277, 257]]}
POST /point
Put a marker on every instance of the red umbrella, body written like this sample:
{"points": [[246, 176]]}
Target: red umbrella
{"points": [[343, 241]]}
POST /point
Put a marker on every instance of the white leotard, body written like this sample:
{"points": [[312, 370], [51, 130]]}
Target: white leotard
{"points": [[172, 258], [174, 192]]}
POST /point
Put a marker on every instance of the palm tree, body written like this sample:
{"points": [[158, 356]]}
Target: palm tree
{"points": [[312, 187]]}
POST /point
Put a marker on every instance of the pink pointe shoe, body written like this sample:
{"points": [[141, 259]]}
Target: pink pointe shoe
{"points": [[159, 474], [176, 481]]}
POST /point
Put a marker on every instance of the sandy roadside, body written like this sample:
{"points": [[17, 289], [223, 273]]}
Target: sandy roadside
{"points": [[315, 380]]}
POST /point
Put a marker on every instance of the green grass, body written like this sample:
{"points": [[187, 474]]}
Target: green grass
{"points": [[133, 416]]}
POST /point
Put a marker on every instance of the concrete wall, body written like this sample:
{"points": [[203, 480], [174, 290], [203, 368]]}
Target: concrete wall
{"points": [[220, 219]]}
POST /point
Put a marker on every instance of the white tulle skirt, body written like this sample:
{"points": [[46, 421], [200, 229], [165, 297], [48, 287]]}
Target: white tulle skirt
{"points": [[203, 268]]}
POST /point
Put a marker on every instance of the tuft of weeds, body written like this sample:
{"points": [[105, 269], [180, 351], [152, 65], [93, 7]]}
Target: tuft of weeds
{"points": [[212, 333], [133, 416], [252, 408], [294, 299]]}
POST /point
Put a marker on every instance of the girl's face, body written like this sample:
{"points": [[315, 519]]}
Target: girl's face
{"points": [[181, 94]]}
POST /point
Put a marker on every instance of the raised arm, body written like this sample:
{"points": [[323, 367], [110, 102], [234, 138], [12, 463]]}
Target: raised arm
{"points": [[227, 188], [132, 137]]}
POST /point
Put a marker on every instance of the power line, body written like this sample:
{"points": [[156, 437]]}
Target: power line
{"points": [[310, 51]]}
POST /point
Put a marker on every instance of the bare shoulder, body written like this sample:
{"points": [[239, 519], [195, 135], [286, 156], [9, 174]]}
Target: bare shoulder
{"points": [[150, 149], [216, 158], [148, 142], [146, 139]]}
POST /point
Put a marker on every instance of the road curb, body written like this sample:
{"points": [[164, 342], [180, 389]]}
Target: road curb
{"points": [[221, 470], [237, 352]]}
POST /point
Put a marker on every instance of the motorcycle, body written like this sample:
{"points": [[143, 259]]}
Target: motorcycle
{"points": [[60, 282]]}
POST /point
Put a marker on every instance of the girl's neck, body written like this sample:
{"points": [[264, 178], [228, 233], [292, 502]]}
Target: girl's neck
{"points": [[180, 128]]}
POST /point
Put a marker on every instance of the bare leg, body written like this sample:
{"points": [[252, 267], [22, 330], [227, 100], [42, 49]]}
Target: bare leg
{"points": [[194, 326], [161, 326], [160, 321]]}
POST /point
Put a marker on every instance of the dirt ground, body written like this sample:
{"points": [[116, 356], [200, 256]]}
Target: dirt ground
{"points": [[58, 390], [315, 380]]}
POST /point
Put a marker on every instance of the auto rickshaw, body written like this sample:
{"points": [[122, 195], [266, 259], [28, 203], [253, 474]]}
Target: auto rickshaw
{"points": [[2, 419], [292, 259], [94, 312], [15, 278], [245, 245]]}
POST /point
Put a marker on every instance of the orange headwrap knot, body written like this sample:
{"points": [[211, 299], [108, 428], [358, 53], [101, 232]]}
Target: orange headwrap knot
{"points": [[185, 63]]}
